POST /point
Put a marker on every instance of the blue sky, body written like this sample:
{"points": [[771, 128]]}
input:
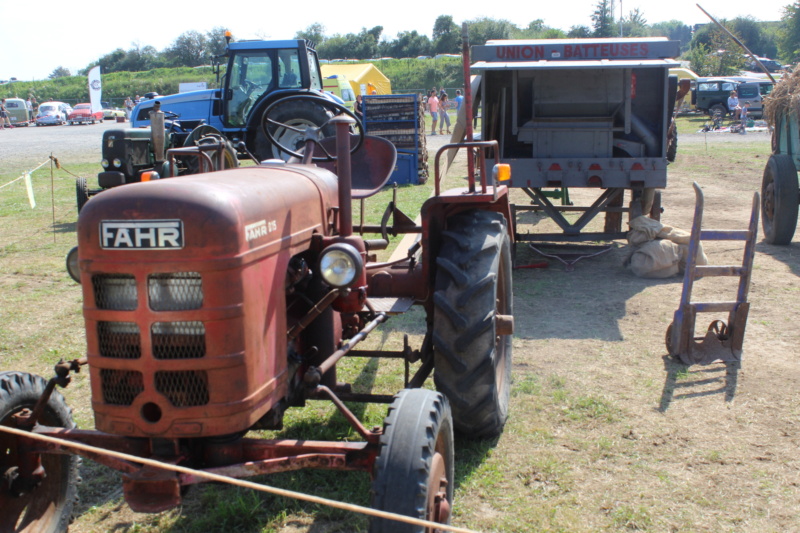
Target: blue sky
{"points": [[31, 48]]}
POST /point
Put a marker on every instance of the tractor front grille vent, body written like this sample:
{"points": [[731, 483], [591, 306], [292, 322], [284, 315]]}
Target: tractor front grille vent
{"points": [[178, 340], [120, 387], [177, 291], [120, 340], [116, 292], [185, 388]]}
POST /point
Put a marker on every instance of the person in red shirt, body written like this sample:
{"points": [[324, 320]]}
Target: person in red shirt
{"points": [[433, 107]]}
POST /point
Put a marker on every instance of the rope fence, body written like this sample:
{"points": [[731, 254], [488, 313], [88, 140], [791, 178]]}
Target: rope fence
{"points": [[236, 482]]}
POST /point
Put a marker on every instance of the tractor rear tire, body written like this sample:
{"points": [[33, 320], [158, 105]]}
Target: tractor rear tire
{"points": [[48, 507], [81, 192], [779, 199], [414, 474], [299, 114], [473, 286]]}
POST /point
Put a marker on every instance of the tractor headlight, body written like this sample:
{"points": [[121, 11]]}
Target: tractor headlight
{"points": [[104, 162], [340, 265], [117, 162], [73, 269]]}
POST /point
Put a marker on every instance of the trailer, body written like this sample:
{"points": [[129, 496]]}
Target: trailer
{"points": [[587, 113]]}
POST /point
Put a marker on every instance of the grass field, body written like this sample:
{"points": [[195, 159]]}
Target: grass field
{"points": [[606, 432]]}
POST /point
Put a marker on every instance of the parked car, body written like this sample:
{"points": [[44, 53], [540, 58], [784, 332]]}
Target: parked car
{"points": [[53, 113], [770, 64], [17, 112], [111, 113], [710, 95], [754, 92], [82, 114]]}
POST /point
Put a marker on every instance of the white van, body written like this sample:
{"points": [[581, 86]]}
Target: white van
{"points": [[754, 92]]}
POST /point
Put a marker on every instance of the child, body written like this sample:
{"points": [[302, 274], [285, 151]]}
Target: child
{"points": [[743, 116]]}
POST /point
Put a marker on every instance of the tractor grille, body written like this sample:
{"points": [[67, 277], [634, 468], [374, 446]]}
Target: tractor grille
{"points": [[184, 389], [120, 340], [120, 387], [178, 340], [116, 292], [173, 340], [179, 291]]}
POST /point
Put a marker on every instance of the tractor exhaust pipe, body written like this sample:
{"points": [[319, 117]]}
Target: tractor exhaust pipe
{"points": [[343, 171]]}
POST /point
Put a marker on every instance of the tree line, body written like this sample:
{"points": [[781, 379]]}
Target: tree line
{"points": [[708, 49]]}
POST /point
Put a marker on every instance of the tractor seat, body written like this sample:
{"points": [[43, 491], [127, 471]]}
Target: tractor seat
{"points": [[371, 165]]}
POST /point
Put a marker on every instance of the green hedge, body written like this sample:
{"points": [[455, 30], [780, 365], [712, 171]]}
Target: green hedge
{"points": [[406, 75]]}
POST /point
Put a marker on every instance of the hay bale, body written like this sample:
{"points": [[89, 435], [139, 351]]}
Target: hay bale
{"points": [[784, 99]]}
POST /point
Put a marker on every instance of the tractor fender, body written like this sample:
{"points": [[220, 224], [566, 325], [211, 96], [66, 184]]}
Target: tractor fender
{"points": [[437, 209]]}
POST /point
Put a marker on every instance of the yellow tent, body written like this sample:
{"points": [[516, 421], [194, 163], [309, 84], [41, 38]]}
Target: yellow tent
{"points": [[683, 73], [364, 76]]}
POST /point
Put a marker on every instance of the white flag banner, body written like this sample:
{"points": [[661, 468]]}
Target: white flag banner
{"points": [[95, 89]]}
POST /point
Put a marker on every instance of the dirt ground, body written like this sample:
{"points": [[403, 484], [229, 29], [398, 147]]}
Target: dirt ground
{"points": [[606, 431]]}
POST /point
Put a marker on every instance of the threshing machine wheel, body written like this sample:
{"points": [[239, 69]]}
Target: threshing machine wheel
{"points": [[46, 508], [414, 469], [472, 355], [779, 199], [81, 192], [285, 121]]}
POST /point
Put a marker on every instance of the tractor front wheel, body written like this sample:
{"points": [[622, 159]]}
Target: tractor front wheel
{"points": [[414, 470], [471, 325], [46, 508], [81, 192], [779, 199]]}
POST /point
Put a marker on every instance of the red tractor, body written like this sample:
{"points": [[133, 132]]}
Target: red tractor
{"points": [[214, 302]]}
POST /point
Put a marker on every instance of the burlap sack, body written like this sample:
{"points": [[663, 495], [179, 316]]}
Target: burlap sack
{"points": [[659, 251]]}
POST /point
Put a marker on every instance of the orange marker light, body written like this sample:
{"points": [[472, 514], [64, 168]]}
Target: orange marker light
{"points": [[502, 172]]}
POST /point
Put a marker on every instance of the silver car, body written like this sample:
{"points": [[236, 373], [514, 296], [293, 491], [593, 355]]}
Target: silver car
{"points": [[52, 113]]}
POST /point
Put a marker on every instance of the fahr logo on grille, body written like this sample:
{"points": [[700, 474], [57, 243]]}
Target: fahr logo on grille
{"points": [[141, 234]]}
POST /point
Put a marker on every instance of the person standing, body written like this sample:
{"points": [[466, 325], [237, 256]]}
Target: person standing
{"points": [[459, 99], [358, 108], [444, 118], [433, 107], [5, 122], [29, 106], [128, 107]]}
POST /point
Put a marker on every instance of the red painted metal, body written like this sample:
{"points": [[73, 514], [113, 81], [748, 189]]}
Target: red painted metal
{"points": [[203, 318], [240, 229]]}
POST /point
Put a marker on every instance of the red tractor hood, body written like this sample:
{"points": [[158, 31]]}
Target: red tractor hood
{"points": [[183, 288], [220, 215]]}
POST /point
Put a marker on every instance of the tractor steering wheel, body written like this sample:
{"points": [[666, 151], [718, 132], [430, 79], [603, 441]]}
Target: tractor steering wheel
{"points": [[303, 131]]}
